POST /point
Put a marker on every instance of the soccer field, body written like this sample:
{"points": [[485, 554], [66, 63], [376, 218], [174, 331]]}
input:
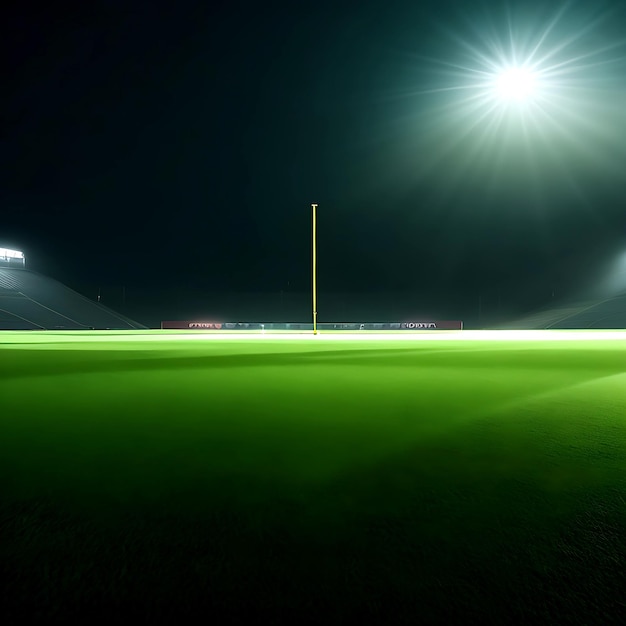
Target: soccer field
{"points": [[459, 477]]}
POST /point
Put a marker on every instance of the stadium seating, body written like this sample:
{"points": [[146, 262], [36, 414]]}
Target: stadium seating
{"points": [[29, 300], [607, 314]]}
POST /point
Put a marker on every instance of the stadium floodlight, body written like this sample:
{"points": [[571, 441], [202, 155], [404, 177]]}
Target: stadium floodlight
{"points": [[6, 254], [524, 99], [11, 258], [516, 84]]}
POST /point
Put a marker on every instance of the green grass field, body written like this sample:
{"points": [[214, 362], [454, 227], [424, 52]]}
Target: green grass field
{"points": [[154, 475]]}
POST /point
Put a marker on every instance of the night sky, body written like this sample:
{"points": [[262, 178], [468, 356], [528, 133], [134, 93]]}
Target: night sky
{"points": [[166, 146]]}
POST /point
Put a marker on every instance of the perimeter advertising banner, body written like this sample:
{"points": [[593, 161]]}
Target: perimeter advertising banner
{"points": [[234, 326]]}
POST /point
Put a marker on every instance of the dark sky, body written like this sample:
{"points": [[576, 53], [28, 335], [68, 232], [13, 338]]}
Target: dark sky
{"points": [[181, 143]]}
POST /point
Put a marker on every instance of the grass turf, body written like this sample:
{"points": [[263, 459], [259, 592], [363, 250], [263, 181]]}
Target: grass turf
{"points": [[406, 482]]}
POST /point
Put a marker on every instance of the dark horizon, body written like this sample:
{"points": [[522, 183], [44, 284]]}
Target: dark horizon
{"points": [[164, 150]]}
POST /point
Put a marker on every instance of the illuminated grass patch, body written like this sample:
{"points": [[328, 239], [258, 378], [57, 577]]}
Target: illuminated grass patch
{"points": [[462, 479]]}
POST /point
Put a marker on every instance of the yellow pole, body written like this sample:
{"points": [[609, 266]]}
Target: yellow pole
{"points": [[314, 207]]}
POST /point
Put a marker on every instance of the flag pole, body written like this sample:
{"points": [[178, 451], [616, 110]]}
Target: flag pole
{"points": [[314, 207]]}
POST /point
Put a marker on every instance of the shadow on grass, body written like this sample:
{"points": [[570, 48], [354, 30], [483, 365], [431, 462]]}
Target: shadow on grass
{"points": [[391, 544]]}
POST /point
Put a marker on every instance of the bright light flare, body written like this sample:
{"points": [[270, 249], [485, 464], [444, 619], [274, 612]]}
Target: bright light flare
{"points": [[528, 101], [516, 84]]}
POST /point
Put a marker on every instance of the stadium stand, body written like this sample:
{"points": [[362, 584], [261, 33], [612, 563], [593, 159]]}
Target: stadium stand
{"points": [[610, 313], [601, 314], [31, 301]]}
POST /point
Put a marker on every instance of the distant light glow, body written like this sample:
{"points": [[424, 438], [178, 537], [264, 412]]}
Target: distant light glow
{"points": [[613, 280]]}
